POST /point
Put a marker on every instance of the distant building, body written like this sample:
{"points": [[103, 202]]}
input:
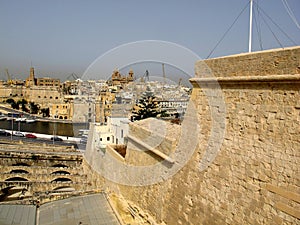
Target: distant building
{"points": [[31, 80], [63, 111], [118, 79], [174, 107], [46, 81], [114, 132], [103, 105]]}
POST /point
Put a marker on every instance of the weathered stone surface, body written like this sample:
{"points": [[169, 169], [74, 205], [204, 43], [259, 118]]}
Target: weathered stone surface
{"points": [[260, 147]]}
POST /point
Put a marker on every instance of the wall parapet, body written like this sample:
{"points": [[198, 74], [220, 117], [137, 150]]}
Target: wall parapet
{"points": [[260, 63], [153, 150], [246, 79]]}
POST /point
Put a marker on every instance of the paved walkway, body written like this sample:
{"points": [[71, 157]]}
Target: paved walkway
{"points": [[90, 209]]}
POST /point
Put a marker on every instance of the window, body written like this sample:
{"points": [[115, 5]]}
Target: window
{"points": [[100, 139], [56, 97], [122, 133], [108, 138]]}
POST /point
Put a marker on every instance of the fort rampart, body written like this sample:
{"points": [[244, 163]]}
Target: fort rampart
{"points": [[245, 168]]}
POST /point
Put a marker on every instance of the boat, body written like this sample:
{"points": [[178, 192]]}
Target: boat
{"points": [[28, 120], [2, 118], [21, 119]]}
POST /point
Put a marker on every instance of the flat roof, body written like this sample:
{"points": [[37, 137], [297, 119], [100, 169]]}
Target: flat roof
{"points": [[17, 214], [88, 209]]}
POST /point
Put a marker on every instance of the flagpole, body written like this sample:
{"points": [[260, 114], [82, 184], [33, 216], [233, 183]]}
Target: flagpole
{"points": [[250, 26]]}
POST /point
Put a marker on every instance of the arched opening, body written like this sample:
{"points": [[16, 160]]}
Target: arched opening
{"points": [[19, 171], [20, 164], [62, 179], [60, 165], [64, 188], [66, 117], [16, 179], [60, 172], [13, 193], [60, 117]]}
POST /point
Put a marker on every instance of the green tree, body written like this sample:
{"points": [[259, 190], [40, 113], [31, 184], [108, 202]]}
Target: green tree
{"points": [[34, 108], [15, 105], [45, 112], [23, 103], [147, 106], [10, 100]]}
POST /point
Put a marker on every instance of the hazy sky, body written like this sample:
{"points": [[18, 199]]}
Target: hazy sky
{"points": [[60, 37]]}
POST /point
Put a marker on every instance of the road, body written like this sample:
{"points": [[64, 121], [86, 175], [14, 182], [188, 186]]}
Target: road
{"points": [[78, 146]]}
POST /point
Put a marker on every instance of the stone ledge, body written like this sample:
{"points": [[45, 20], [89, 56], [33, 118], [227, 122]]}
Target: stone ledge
{"points": [[288, 209], [246, 79], [114, 153], [284, 193], [155, 151]]}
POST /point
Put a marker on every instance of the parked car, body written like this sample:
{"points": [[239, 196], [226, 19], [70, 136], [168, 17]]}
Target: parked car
{"points": [[30, 136], [19, 134], [4, 133], [83, 140], [56, 139]]}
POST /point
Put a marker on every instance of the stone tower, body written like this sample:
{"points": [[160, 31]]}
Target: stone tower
{"points": [[130, 75], [31, 80]]}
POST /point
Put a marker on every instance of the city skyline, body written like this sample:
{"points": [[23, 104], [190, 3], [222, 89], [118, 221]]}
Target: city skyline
{"points": [[63, 37]]}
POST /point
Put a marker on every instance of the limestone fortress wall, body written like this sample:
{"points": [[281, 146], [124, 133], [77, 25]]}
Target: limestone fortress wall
{"points": [[245, 166]]}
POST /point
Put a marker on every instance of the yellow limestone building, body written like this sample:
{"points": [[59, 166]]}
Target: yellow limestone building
{"points": [[45, 92]]}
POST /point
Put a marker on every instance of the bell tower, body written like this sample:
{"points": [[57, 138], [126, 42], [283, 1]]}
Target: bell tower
{"points": [[31, 80]]}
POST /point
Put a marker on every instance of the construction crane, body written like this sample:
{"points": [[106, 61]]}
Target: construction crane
{"points": [[9, 80], [74, 75], [179, 82], [145, 77], [164, 74]]}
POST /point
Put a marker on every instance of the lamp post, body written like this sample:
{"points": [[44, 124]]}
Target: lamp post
{"points": [[12, 129], [54, 128]]}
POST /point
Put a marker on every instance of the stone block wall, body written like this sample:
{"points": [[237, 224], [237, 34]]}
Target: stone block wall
{"points": [[264, 63], [245, 169]]}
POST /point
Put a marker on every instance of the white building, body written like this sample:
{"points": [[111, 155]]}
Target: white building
{"points": [[115, 132]]}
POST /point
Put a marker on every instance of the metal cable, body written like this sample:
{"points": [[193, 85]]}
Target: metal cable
{"points": [[227, 31], [264, 13], [290, 12], [258, 31]]}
